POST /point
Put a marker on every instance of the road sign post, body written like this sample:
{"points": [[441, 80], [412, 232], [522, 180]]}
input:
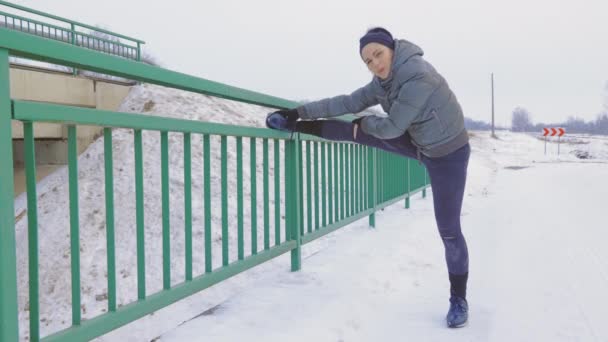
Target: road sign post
{"points": [[553, 132]]}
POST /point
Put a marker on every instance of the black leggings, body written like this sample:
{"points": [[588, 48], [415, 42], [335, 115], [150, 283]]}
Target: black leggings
{"points": [[448, 177]]}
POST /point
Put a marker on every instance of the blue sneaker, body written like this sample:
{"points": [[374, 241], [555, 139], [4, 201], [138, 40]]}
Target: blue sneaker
{"points": [[458, 314], [280, 122]]}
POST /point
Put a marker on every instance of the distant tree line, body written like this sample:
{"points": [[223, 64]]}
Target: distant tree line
{"points": [[522, 122], [479, 125]]}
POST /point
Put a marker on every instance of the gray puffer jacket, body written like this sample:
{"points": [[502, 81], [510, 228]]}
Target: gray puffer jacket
{"points": [[415, 96]]}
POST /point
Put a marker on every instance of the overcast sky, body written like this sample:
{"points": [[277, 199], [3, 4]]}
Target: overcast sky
{"points": [[548, 56]]}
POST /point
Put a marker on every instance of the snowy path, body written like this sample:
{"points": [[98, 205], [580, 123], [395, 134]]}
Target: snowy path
{"points": [[542, 264], [539, 271]]}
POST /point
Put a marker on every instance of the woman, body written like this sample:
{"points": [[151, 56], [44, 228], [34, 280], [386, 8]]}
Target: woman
{"points": [[425, 122]]}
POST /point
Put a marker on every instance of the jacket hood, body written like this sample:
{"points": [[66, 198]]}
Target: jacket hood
{"points": [[404, 50]]}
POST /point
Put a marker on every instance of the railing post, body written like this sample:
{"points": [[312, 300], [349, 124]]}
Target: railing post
{"points": [[73, 32], [9, 328], [372, 184], [292, 199], [409, 185]]}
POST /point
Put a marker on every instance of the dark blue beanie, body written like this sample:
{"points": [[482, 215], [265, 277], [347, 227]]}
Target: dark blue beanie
{"points": [[377, 35]]}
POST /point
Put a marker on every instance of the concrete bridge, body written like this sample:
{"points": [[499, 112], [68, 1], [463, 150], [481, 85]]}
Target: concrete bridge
{"points": [[59, 87]]}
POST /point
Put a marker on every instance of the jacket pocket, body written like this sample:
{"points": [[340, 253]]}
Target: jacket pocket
{"points": [[441, 124]]}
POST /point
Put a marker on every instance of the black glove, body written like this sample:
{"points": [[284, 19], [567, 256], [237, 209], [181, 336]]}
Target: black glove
{"points": [[287, 121], [290, 114]]}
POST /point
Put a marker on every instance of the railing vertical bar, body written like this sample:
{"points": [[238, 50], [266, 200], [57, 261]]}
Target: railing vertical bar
{"points": [[9, 326], [382, 178], [266, 185], [408, 179], [353, 180], [74, 222], [362, 178], [347, 176], [224, 153], [371, 184], [207, 200], [188, 203], [254, 196], [308, 188], [316, 184], [32, 223], [379, 176], [292, 207], [342, 183], [350, 167], [389, 177], [277, 194], [286, 193], [110, 239], [336, 184], [394, 183], [165, 210], [139, 209], [330, 187], [353, 174], [73, 34], [300, 146], [324, 203], [239, 198]]}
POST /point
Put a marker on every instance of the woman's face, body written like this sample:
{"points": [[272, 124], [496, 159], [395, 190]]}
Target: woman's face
{"points": [[378, 59]]}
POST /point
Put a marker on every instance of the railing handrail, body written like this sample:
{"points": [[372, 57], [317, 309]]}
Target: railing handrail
{"points": [[30, 46], [54, 113], [81, 34], [76, 23]]}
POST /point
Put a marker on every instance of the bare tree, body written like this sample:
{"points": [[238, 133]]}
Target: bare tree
{"points": [[606, 98], [521, 120], [601, 124]]}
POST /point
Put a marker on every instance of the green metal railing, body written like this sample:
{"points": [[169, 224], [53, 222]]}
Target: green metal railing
{"points": [[110, 44], [324, 186]]}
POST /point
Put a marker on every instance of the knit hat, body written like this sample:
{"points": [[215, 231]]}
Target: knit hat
{"points": [[377, 35]]}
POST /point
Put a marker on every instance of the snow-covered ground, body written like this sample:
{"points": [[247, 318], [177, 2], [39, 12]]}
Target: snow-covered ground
{"points": [[534, 225], [539, 268]]}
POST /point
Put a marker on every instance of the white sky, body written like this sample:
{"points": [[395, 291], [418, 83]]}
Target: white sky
{"points": [[550, 57]]}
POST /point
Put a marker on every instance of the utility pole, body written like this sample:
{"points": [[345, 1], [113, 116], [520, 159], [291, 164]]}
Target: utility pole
{"points": [[492, 83]]}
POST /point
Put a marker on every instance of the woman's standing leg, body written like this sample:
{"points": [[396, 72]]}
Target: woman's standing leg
{"points": [[448, 179]]}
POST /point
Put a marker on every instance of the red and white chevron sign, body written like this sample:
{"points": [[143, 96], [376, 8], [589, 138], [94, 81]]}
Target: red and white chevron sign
{"points": [[554, 131]]}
